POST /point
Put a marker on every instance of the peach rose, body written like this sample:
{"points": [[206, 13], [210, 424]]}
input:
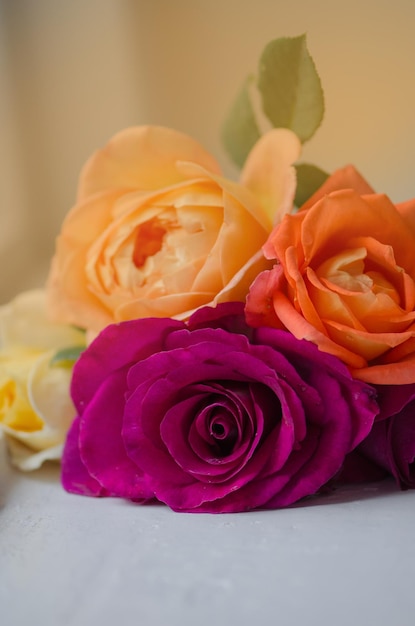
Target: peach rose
{"points": [[344, 279], [156, 230]]}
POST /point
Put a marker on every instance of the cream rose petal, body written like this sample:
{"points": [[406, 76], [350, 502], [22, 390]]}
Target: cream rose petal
{"points": [[26, 460], [237, 288], [268, 172], [48, 391], [36, 405], [142, 158], [48, 394], [23, 322], [240, 193]]}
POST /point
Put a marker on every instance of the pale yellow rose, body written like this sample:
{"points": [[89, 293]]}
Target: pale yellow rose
{"points": [[157, 231], [35, 405]]}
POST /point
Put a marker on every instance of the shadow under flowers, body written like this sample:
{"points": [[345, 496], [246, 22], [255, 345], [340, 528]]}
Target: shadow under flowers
{"points": [[347, 493]]}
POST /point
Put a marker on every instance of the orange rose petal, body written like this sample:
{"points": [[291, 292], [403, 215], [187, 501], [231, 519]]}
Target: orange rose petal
{"points": [[408, 289], [401, 351], [379, 314], [349, 263], [325, 298], [269, 174], [287, 233], [382, 257], [345, 178], [301, 329], [259, 309], [343, 215], [381, 254], [378, 302], [380, 322], [400, 373], [369, 345], [143, 158], [301, 296], [334, 217], [392, 230], [407, 211], [371, 312]]}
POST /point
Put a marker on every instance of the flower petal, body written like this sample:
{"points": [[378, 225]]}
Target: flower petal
{"points": [[345, 178], [269, 174], [142, 158]]}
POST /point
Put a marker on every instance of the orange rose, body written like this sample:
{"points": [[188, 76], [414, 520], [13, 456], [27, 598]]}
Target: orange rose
{"points": [[345, 279], [156, 231]]}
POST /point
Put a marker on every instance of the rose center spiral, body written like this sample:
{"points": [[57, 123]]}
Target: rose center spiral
{"points": [[223, 432]]}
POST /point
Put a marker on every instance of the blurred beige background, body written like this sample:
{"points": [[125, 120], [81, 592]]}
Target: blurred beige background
{"points": [[73, 73]]}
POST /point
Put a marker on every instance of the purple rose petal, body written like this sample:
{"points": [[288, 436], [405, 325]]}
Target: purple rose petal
{"points": [[134, 343], [75, 476], [391, 442], [212, 415], [101, 446]]}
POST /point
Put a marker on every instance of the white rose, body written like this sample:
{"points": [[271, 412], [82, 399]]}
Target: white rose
{"points": [[35, 406]]}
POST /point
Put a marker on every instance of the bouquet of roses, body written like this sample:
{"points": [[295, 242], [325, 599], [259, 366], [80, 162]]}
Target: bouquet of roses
{"points": [[214, 345]]}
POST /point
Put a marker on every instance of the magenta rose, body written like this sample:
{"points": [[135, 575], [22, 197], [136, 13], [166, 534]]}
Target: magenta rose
{"points": [[390, 445], [210, 415]]}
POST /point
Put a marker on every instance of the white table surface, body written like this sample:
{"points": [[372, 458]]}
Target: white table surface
{"points": [[345, 558]]}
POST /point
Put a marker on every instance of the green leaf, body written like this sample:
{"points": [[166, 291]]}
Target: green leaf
{"points": [[240, 131], [66, 357], [309, 179], [292, 96]]}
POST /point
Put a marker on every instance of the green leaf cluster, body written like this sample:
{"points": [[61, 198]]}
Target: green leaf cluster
{"points": [[291, 96]]}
